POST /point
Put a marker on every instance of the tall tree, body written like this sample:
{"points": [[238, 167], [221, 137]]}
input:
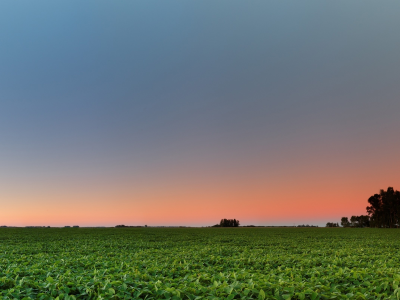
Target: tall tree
{"points": [[384, 209]]}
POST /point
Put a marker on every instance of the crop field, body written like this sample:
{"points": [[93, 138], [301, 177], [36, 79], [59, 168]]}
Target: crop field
{"points": [[199, 263]]}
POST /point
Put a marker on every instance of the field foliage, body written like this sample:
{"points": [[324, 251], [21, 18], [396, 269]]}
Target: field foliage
{"points": [[199, 263]]}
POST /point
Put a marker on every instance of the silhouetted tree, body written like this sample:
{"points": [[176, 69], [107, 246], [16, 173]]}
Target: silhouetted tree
{"points": [[384, 209], [228, 223], [354, 221], [345, 222], [363, 221], [329, 224], [360, 221]]}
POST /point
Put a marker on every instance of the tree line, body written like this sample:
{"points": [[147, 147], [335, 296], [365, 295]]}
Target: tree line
{"points": [[383, 211], [356, 221]]}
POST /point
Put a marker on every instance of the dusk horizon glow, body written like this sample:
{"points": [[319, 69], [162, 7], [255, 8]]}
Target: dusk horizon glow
{"points": [[183, 113]]}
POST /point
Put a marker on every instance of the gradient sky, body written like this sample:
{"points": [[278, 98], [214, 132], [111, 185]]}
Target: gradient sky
{"points": [[186, 112]]}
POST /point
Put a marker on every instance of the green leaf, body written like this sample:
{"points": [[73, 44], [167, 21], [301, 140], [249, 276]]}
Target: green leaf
{"points": [[50, 279], [261, 295], [229, 290], [313, 296]]}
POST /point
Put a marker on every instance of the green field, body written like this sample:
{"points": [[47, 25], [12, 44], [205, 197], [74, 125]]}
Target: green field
{"points": [[199, 263]]}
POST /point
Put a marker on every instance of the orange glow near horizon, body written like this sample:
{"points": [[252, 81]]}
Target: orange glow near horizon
{"points": [[200, 201]]}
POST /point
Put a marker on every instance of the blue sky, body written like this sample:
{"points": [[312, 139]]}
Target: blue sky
{"points": [[130, 94]]}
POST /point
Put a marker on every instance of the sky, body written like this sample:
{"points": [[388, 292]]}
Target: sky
{"points": [[186, 112]]}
